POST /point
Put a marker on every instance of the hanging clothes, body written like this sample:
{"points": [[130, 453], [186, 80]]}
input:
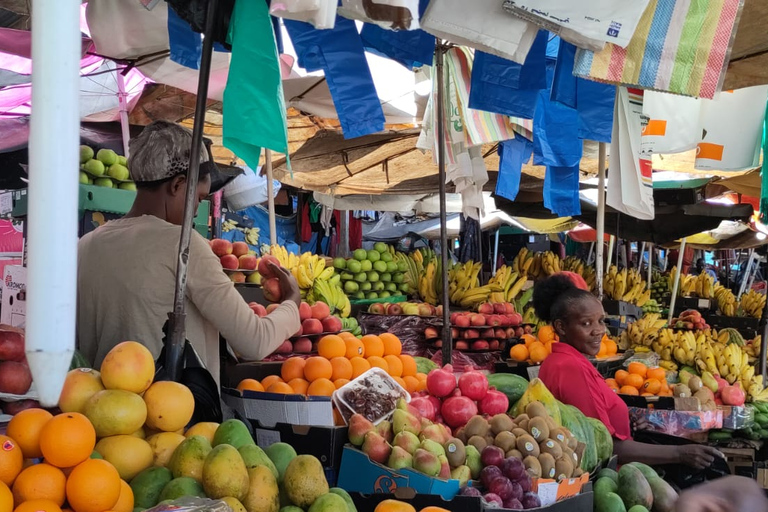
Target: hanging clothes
{"points": [[339, 53], [355, 231]]}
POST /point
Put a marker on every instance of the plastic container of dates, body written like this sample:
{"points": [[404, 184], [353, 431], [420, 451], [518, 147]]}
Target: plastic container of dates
{"points": [[374, 394]]}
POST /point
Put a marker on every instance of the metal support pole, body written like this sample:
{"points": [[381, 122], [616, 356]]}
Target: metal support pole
{"points": [[591, 253], [271, 197], [176, 327], [439, 70], [54, 137], [676, 284], [122, 100], [761, 370], [600, 242], [611, 243], [640, 255], [343, 250], [747, 273], [650, 265], [496, 252]]}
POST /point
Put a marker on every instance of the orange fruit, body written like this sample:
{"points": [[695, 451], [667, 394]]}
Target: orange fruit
{"points": [[270, 379], [613, 349], [250, 385], [394, 506], [6, 498], [666, 392], [392, 345], [548, 346], [395, 365], [25, 427], [652, 386], [38, 506], [664, 387], [634, 380], [40, 482], [378, 362], [338, 419], [603, 352], [538, 352], [409, 365], [89, 476], [346, 335], [647, 394], [621, 376], [629, 390], [128, 366], [170, 406], [342, 368], [372, 345], [317, 368], [340, 382], [519, 352], [422, 378], [321, 387], [400, 381], [80, 385], [125, 501], [411, 383], [653, 373], [612, 383], [546, 333], [299, 386], [354, 347], [67, 439], [636, 368], [529, 338], [359, 366], [11, 459], [282, 388], [331, 346], [293, 368]]}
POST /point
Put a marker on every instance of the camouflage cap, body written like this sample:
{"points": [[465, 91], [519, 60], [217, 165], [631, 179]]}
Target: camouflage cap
{"points": [[162, 151]]}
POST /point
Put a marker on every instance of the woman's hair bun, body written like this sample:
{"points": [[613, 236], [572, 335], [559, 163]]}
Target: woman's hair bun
{"points": [[547, 292]]}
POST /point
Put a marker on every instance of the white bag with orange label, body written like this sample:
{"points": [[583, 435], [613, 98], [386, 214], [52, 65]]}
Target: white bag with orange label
{"points": [[673, 122]]}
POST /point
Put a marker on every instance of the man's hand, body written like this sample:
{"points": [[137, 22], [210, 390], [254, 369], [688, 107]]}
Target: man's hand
{"points": [[697, 456], [288, 285]]}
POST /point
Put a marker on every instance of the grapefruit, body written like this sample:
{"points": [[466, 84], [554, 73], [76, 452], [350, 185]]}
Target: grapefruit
{"points": [[81, 384], [129, 367], [114, 412], [170, 406]]}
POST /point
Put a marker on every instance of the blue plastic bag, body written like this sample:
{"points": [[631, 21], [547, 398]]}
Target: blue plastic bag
{"points": [[411, 48], [513, 154], [561, 191], [186, 45]]}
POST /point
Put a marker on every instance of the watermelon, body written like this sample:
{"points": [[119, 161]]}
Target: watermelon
{"points": [[424, 365], [510, 384], [603, 439], [79, 361], [575, 421]]}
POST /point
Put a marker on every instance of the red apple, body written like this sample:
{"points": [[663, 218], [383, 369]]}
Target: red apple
{"points": [[512, 332], [453, 318], [285, 348], [305, 311], [438, 344], [462, 345], [264, 265], [471, 334], [487, 333], [439, 310], [320, 310], [528, 329], [493, 320], [431, 333], [515, 319], [519, 331], [462, 321], [272, 291], [499, 308], [258, 309], [331, 324], [272, 307], [510, 308], [298, 333], [477, 320], [240, 249], [480, 345], [494, 345], [229, 261], [426, 310], [302, 346], [248, 262], [454, 333], [312, 326], [237, 277], [394, 309], [221, 247], [500, 334], [377, 309], [485, 308]]}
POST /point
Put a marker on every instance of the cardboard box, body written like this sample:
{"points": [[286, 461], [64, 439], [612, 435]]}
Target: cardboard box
{"points": [[269, 409], [738, 458], [14, 299], [360, 474]]}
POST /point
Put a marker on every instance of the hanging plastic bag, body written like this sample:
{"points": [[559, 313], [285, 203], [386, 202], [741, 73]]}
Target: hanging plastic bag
{"points": [[673, 122], [630, 180], [321, 14], [731, 130], [389, 14]]}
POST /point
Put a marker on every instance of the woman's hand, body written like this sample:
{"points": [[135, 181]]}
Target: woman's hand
{"points": [[697, 456], [288, 285]]}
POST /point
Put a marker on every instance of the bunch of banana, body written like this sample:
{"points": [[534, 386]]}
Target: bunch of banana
{"points": [[753, 303], [590, 276], [753, 347], [251, 234], [522, 262], [332, 294], [756, 390], [685, 348], [550, 263], [574, 264], [412, 272], [287, 259], [228, 225], [670, 366], [511, 282], [423, 256], [726, 300], [687, 285], [427, 283], [704, 285], [465, 289], [644, 332], [476, 296], [732, 362], [617, 285], [307, 268]]}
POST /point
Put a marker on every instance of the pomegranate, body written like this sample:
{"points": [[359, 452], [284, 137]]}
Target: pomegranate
{"points": [[441, 381], [494, 500], [474, 385], [733, 395], [531, 500], [513, 504], [494, 402], [425, 407], [457, 411], [513, 468]]}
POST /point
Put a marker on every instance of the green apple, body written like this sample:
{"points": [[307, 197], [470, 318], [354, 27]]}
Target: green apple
{"points": [[386, 257], [371, 295], [392, 267], [122, 160], [104, 182], [86, 153], [374, 255], [254, 278], [390, 287], [402, 267], [339, 263], [107, 157], [366, 265], [346, 276], [378, 286], [83, 177], [380, 266], [366, 286], [128, 185], [384, 295], [373, 276], [354, 266], [405, 288], [385, 277], [360, 254], [398, 278], [94, 167], [351, 287], [359, 296], [381, 247], [361, 277]]}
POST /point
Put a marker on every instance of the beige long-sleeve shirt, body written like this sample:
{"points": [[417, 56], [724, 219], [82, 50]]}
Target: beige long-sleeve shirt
{"points": [[126, 281]]}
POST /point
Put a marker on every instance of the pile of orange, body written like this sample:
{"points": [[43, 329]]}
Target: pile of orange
{"points": [[608, 348], [640, 380], [536, 348], [341, 358], [67, 477]]}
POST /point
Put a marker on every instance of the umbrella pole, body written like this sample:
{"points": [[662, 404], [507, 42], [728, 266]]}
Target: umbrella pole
{"points": [[122, 100], [599, 241], [176, 328], [343, 250], [439, 70], [54, 137], [676, 284], [495, 252], [271, 197]]}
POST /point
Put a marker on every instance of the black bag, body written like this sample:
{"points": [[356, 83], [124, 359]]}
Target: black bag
{"points": [[197, 378]]}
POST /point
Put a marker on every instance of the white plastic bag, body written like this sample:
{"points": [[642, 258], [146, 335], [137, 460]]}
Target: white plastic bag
{"points": [[673, 122], [630, 176], [731, 130], [389, 14], [320, 13]]}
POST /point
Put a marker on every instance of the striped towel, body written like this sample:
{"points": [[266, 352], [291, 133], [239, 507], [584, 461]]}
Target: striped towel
{"points": [[679, 46]]}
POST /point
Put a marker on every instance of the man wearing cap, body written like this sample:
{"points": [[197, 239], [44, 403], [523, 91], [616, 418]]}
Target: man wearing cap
{"points": [[127, 267]]}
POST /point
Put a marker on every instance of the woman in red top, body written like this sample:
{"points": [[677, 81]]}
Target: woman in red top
{"points": [[578, 319]]}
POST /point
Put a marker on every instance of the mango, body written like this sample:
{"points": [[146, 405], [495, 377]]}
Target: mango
{"points": [[347, 498], [304, 481], [610, 502], [281, 454], [148, 485], [189, 457], [638, 508], [224, 473], [664, 496], [604, 485], [114, 412], [328, 503], [163, 445], [607, 472], [291, 508], [232, 432], [254, 456], [130, 455], [634, 488], [647, 471], [263, 493], [184, 486], [234, 504]]}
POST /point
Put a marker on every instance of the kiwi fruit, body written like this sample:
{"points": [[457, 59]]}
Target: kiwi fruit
{"points": [[538, 429], [506, 441], [563, 469], [550, 423], [461, 435], [547, 462], [577, 472], [489, 439], [478, 442], [573, 443], [532, 466], [536, 409], [524, 425], [519, 432], [551, 447], [476, 426], [455, 452], [559, 434], [572, 456], [514, 453], [528, 446], [501, 423]]}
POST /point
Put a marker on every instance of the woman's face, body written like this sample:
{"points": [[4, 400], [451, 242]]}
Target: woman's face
{"points": [[584, 326]]}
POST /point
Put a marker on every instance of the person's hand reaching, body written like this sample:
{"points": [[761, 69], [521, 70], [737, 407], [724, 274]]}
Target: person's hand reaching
{"points": [[288, 285], [697, 456]]}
